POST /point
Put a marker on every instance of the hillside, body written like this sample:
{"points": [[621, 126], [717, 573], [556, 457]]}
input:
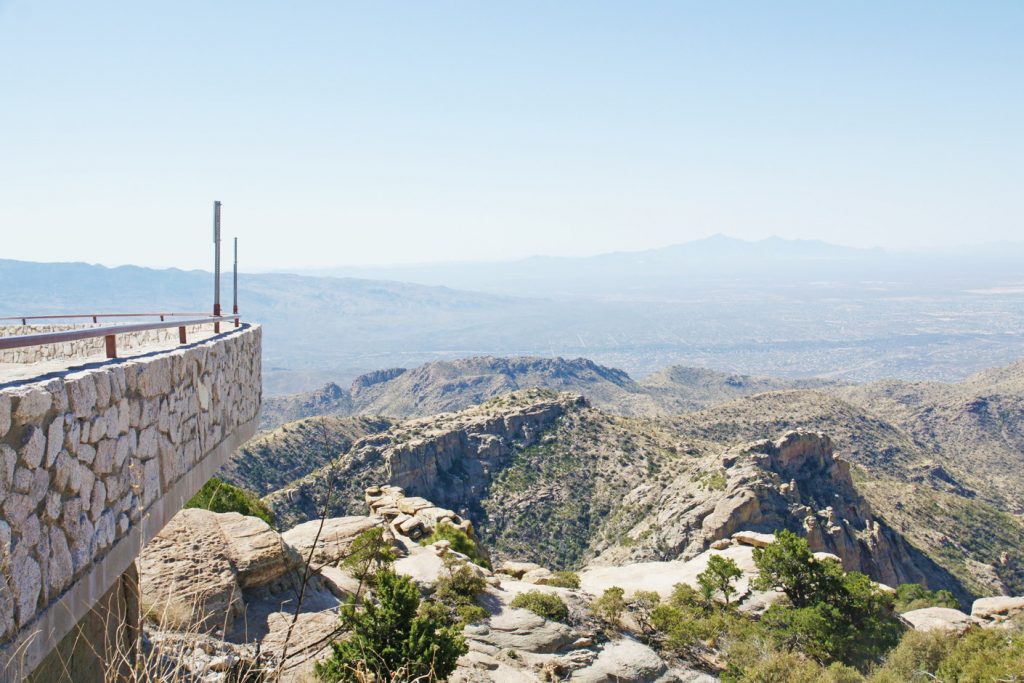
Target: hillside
{"points": [[443, 386], [547, 476], [935, 461], [947, 504], [273, 459]]}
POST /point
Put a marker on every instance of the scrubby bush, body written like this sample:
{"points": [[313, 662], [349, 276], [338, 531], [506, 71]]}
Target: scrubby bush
{"points": [[457, 588], [393, 637], [547, 605], [219, 496], [789, 667], [370, 552], [610, 605], [985, 655], [918, 656], [564, 579], [642, 606], [460, 542], [911, 596]]}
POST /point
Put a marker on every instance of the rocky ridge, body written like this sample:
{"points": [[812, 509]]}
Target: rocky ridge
{"points": [[449, 458], [548, 478], [444, 386]]}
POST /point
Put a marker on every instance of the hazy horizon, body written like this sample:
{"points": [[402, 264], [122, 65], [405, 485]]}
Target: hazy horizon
{"points": [[923, 249]]}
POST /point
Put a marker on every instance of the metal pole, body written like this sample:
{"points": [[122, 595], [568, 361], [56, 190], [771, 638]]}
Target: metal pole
{"points": [[216, 263], [235, 291]]}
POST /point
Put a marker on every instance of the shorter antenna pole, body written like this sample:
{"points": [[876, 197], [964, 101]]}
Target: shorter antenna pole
{"points": [[235, 307]]}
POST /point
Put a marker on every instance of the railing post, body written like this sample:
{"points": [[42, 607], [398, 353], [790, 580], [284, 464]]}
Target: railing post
{"points": [[111, 341], [181, 335]]}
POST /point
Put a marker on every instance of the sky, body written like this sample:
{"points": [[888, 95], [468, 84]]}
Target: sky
{"points": [[344, 133]]}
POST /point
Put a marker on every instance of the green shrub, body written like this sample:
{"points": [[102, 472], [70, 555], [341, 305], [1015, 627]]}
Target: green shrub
{"points": [[610, 605], [370, 552], [788, 667], [911, 596], [470, 614], [787, 564], [832, 616], [547, 605], [642, 606], [457, 589], [564, 579], [460, 542], [985, 655], [716, 481], [918, 656], [393, 637], [220, 496], [718, 577], [459, 585]]}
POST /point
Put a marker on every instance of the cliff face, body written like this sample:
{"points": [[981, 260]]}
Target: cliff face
{"points": [[449, 458], [795, 482]]}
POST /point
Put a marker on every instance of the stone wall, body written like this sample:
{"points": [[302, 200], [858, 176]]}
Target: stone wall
{"points": [[85, 348], [93, 463]]}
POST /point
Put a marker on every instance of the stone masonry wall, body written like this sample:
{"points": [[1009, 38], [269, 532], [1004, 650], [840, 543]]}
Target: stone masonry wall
{"points": [[84, 348], [83, 457]]}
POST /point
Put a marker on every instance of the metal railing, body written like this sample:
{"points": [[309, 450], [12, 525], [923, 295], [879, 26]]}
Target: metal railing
{"points": [[109, 332], [95, 316]]}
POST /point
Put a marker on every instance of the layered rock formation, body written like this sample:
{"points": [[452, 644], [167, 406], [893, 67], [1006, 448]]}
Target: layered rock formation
{"points": [[449, 458], [795, 482]]}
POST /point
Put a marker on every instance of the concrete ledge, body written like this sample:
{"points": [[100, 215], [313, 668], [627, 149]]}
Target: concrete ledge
{"points": [[20, 657]]}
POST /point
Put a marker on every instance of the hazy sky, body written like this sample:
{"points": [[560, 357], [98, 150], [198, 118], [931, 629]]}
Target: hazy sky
{"points": [[376, 132]]}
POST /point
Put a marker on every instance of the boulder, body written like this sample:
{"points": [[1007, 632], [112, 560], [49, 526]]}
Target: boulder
{"points": [[516, 569], [335, 538], [540, 576], [938, 619], [753, 538], [997, 609], [661, 577], [522, 630], [257, 552], [622, 661], [186, 578], [822, 556]]}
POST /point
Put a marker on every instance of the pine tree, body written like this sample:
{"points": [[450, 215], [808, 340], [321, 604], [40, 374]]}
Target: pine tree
{"points": [[393, 637]]}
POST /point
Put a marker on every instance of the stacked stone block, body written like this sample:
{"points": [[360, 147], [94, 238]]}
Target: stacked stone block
{"points": [[83, 456]]}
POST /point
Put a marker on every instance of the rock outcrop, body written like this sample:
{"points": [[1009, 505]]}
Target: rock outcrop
{"points": [[795, 482], [234, 577], [938, 619], [998, 609], [448, 458]]}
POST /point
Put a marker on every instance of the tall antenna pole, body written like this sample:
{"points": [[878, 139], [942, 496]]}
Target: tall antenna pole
{"points": [[216, 263], [235, 308]]}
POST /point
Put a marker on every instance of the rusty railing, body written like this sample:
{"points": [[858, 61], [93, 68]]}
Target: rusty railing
{"points": [[110, 332]]}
